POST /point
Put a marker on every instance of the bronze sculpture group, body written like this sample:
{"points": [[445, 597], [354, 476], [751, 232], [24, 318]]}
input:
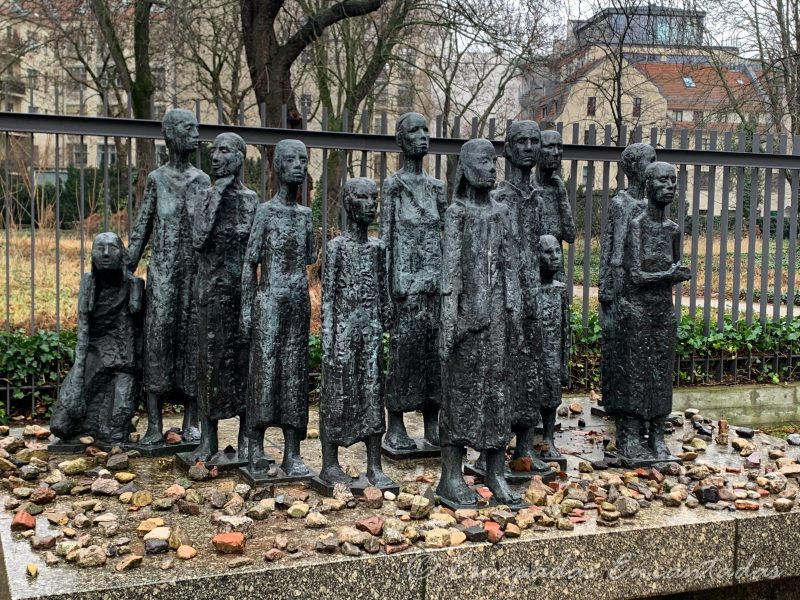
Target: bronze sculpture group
{"points": [[472, 295]]}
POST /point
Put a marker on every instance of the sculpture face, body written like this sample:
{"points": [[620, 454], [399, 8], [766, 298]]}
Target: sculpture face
{"points": [[181, 131], [107, 252], [479, 165], [661, 183], [413, 135], [550, 254], [291, 161], [226, 156], [552, 150], [361, 200], [523, 149]]}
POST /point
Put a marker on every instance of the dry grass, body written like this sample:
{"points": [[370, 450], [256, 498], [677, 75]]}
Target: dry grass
{"points": [[44, 301], [18, 313]]}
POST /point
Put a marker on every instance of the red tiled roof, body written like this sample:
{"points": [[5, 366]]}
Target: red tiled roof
{"points": [[708, 92]]}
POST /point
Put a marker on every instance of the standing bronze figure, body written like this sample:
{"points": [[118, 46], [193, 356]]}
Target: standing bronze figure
{"points": [[222, 225], [99, 396], [644, 356], [165, 220], [355, 314], [480, 296], [412, 206], [555, 213], [276, 308]]}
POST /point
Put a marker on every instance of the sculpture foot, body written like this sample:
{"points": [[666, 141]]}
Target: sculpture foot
{"points": [[334, 474], [378, 478], [399, 441], [201, 456], [457, 492], [432, 430], [191, 434], [502, 491], [294, 466], [152, 438], [551, 452]]}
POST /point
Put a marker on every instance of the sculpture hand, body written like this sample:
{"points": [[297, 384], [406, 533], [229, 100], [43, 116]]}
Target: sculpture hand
{"points": [[682, 273]]}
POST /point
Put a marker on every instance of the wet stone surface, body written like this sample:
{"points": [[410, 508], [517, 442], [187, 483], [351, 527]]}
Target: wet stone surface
{"points": [[218, 532]]}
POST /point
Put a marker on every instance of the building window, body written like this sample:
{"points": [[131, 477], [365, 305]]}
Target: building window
{"points": [[688, 82], [704, 144], [677, 115], [585, 177], [159, 78], [697, 116], [544, 110], [77, 78], [637, 107], [591, 106], [704, 178], [112, 153], [555, 107], [77, 155]]}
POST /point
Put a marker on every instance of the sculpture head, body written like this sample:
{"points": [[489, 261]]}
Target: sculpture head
{"points": [[180, 131], [108, 252], [551, 151], [550, 254], [227, 155], [635, 159], [476, 166], [412, 135], [291, 161], [360, 199], [522, 143], [660, 183]]}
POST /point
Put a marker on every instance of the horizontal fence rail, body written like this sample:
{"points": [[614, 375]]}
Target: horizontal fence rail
{"points": [[65, 178]]}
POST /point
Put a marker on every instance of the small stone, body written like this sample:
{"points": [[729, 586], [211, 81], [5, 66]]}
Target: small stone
{"points": [[585, 467], [395, 548], [421, 507], [706, 494], [239, 561], [158, 533], [576, 408], [299, 510], [117, 462], [348, 549], [747, 505], [148, 525], [43, 542], [22, 492], [693, 502], [476, 533], [273, 555], [229, 543], [131, 561], [371, 525], [156, 546], [372, 545], [437, 538], [627, 507], [164, 504], [744, 432], [43, 495], [186, 552], [167, 563], [389, 496], [74, 467], [32, 570], [373, 497], [50, 559], [198, 472], [493, 532], [58, 518], [172, 437], [105, 487], [565, 524], [327, 544], [243, 490], [316, 520], [234, 505], [312, 434], [393, 531], [262, 509], [93, 556], [334, 504], [793, 439], [142, 498], [783, 505], [23, 521], [175, 491]]}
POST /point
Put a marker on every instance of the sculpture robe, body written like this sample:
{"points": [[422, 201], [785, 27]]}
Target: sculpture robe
{"points": [[100, 393], [480, 293], [621, 210], [355, 314], [555, 214], [282, 242], [165, 220], [411, 227], [525, 338], [221, 231], [646, 323], [553, 364]]}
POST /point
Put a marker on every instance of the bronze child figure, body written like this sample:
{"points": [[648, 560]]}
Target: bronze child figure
{"points": [[480, 296], [276, 311], [355, 315], [645, 353], [222, 224], [165, 221], [412, 207], [101, 392]]}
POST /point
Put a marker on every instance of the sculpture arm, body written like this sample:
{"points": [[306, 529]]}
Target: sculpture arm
{"points": [[144, 224], [606, 276], [441, 202], [510, 253], [638, 276], [387, 229], [386, 307], [311, 245], [567, 221], [451, 282], [566, 336], [205, 217], [329, 278], [252, 257]]}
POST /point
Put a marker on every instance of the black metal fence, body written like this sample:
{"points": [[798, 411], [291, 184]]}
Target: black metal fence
{"points": [[737, 205]]}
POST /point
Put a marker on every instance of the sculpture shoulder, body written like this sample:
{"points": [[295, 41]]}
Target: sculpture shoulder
{"points": [[454, 211], [500, 208], [198, 176], [670, 226], [304, 210], [377, 243], [436, 184]]}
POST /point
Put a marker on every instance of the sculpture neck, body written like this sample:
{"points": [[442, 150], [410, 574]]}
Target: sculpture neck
{"points": [[545, 174], [476, 196], [109, 277], [636, 189], [179, 160], [519, 176], [287, 194], [546, 277], [413, 165], [358, 231], [656, 212]]}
